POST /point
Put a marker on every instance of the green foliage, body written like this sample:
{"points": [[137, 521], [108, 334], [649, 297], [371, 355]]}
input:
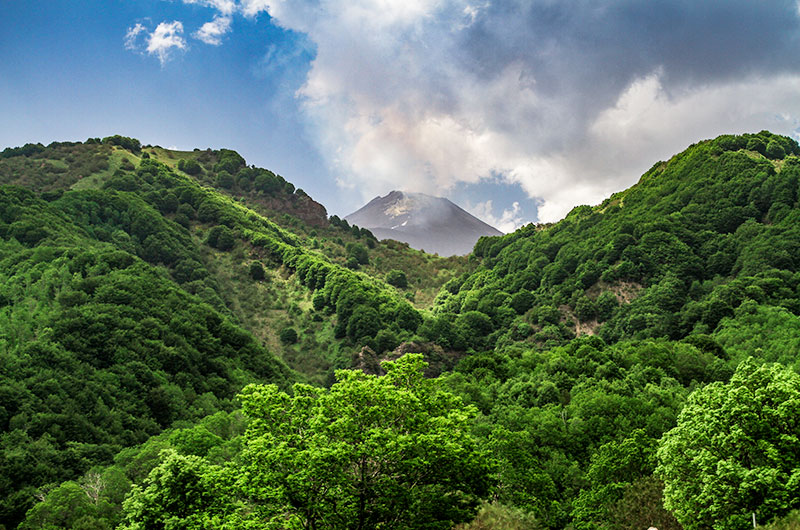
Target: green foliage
{"points": [[709, 215], [522, 301], [363, 324], [775, 150], [358, 252], [733, 452], [397, 278], [622, 489], [92, 503], [178, 493], [116, 323], [221, 237], [391, 451], [131, 144], [497, 516], [26, 150], [229, 161], [386, 340], [225, 180], [190, 166], [256, 270], [288, 336], [789, 522]]}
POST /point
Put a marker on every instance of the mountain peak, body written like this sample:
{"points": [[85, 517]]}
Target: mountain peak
{"points": [[434, 224]]}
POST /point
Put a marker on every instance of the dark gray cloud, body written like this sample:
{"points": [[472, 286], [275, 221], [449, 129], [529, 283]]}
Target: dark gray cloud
{"points": [[571, 43], [588, 52]]}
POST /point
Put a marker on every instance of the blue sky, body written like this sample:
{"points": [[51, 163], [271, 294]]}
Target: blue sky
{"points": [[517, 110]]}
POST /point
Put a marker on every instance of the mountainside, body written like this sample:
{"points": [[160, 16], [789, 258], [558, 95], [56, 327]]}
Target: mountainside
{"points": [[632, 365], [132, 297], [424, 222]]}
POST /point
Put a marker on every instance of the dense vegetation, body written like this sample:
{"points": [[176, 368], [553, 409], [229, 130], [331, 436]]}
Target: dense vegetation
{"points": [[116, 314], [633, 365]]}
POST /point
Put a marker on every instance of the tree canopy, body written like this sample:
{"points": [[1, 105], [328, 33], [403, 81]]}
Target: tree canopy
{"points": [[372, 452], [734, 451]]}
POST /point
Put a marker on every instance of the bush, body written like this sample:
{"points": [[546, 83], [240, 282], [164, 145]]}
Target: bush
{"points": [[386, 340], [190, 167], [225, 180], [522, 301], [359, 252], [318, 301], [257, 271], [397, 278], [229, 161], [775, 150], [352, 263], [221, 238], [131, 144], [288, 336], [497, 516]]}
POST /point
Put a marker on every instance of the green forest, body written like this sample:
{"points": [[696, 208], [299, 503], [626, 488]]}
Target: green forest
{"points": [[190, 342]]}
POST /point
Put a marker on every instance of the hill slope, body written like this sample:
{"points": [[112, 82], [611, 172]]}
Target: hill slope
{"points": [[424, 222], [656, 260], [132, 297], [585, 339]]}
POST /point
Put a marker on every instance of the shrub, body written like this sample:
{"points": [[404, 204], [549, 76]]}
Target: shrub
{"points": [[288, 336], [257, 271], [221, 238], [397, 278]]}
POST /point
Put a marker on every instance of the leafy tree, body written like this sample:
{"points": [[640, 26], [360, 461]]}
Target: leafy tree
{"points": [[606, 303], [318, 301], [775, 150], [397, 278], [620, 471], [131, 144], [386, 340], [221, 237], [585, 309], [190, 166], [359, 252], [61, 509], [364, 323], [522, 301], [229, 161], [182, 492], [473, 327], [225, 180], [371, 452], [734, 450]]}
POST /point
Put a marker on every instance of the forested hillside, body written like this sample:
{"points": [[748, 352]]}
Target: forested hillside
{"points": [[610, 367], [132, 297]]}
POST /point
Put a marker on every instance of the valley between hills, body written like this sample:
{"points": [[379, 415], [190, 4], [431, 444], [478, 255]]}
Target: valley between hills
{"points": [[188, 341]]}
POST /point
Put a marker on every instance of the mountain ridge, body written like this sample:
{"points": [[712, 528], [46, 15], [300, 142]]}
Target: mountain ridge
{"points": [[434, 224]]}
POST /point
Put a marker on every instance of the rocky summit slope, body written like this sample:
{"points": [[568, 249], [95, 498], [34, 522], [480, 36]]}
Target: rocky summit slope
{"points": [[424, 222]]}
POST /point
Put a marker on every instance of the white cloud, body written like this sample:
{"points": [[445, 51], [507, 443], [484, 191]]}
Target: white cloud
{"points": [[225, 7], [212, 32], [165, 39], [393, 98], [132, 36], [508, 220], [251, 8], [161, 43]]}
